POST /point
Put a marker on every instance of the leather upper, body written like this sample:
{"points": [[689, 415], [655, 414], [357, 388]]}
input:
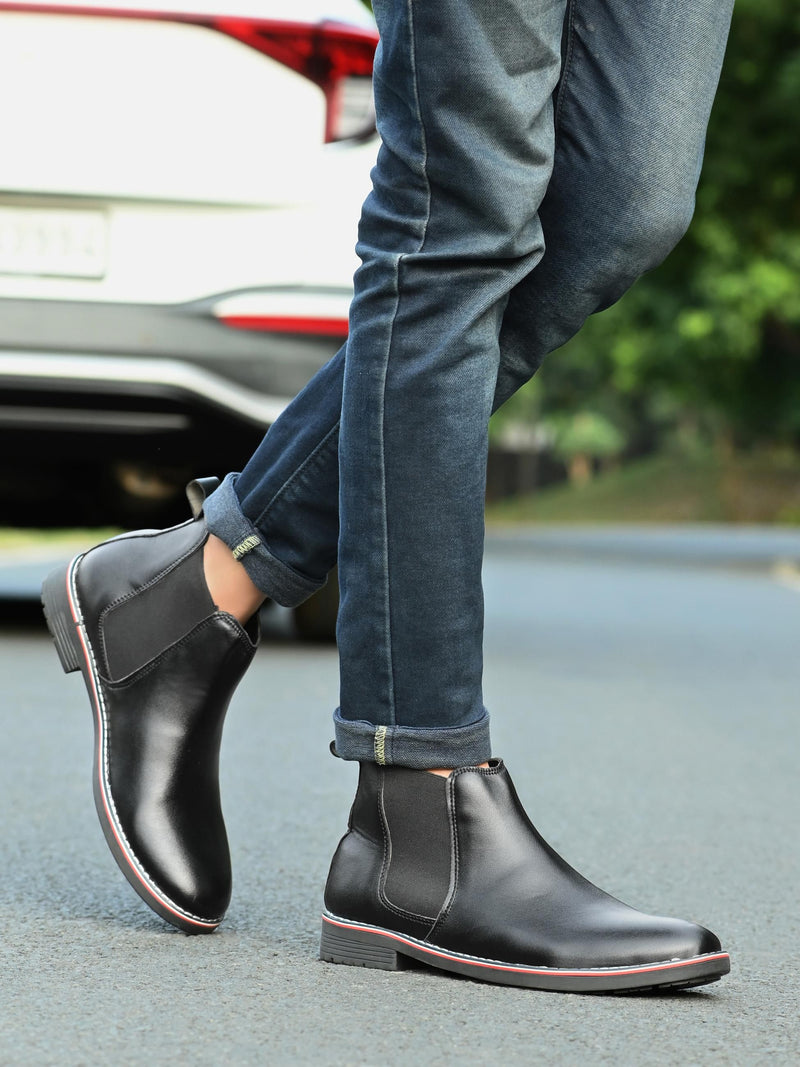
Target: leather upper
{"points": [[506, 895], [164, 735], [167, 662]]}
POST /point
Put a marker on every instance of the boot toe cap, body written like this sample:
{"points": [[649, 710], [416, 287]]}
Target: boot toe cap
{"points": [[655, 939]]}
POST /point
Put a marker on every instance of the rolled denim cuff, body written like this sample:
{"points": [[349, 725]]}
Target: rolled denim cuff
{"points": [[411, 746], [275, 579]]}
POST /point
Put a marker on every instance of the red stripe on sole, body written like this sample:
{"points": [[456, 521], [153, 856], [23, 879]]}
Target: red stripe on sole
{"points": [[653, 968]]}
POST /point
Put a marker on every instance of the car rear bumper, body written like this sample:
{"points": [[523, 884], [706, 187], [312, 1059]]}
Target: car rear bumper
{"points": [[43, 391], [151, 393]]}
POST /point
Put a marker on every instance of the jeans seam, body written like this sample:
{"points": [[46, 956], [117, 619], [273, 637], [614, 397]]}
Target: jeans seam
{"points": [[567, 65], [379, 745], [418, 106], [387, 605], [390, 340]]}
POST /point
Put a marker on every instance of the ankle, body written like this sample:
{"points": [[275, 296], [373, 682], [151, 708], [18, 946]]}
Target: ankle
{"points": [[228, 582]]}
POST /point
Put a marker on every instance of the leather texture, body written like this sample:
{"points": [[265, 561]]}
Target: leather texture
{"points": [[159, 714], [505, 893]]}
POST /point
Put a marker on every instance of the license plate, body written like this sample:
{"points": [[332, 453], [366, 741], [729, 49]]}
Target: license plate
{"points": [[63, 244]]}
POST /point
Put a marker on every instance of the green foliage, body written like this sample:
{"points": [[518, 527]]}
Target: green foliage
{"points": [[585, 433], [702, 486], [708, 346]]}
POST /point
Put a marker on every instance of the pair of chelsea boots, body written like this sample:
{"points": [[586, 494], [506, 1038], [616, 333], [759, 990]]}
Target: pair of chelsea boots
{"points": [[445, 871]]}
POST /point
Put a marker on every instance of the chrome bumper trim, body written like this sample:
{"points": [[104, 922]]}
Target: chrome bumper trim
{"points": [[19, 367]]}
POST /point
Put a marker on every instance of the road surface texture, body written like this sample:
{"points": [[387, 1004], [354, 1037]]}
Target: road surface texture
{"points": [[648, 707]]}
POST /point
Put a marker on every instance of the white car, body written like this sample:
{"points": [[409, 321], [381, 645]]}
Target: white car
{"points": [[179, 196]]}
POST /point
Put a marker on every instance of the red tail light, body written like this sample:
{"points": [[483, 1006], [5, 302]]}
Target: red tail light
{"points": [[336, 57], [287, 324], [302, 311], [327, 53]]}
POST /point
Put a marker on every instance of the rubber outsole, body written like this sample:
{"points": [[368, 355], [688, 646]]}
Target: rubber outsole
{"points": [[359, 945], [63, 615]]}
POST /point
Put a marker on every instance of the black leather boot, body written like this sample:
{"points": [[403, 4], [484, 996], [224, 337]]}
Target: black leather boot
{"points": [[450, 872], [160, 662]]}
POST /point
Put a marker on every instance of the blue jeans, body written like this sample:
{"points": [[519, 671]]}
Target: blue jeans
{"points": [[536, 158]]}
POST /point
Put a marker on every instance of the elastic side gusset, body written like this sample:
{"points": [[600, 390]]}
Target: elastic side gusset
{"points": [[142, 626], [418, 875]]}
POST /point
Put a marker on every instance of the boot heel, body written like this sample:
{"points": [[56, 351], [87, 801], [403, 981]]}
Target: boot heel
{"points": [[60, 623], [358, 948]]}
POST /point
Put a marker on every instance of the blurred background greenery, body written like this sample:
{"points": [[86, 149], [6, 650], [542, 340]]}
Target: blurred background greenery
{"points": [[682, 402]]}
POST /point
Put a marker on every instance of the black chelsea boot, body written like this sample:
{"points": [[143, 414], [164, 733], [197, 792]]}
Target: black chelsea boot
{"points": [[451, 872], [160, 662]]}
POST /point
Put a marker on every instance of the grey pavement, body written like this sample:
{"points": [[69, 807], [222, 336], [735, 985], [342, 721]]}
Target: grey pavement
{"points": [[649, 715]]}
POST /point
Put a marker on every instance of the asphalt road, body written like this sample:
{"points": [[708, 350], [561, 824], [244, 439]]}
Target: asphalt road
{"points": [[649, 714]]}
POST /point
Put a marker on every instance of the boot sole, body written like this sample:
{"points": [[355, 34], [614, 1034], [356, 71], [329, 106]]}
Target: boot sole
{"points": [[62, 612], [359, 945]]}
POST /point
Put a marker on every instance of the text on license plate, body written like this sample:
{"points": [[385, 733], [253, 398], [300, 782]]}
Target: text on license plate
{"points": [[68, 244]]}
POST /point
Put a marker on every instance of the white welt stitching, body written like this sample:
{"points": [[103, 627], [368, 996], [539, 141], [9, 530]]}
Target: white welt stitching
{"points": [[429, 946]]}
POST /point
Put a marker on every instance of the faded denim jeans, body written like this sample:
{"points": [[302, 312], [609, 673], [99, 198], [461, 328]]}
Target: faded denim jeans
{"points": [[536, 158]]}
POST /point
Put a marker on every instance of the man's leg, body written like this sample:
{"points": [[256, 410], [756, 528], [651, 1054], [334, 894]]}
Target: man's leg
{"points": [[449, 871], [464, 98]]}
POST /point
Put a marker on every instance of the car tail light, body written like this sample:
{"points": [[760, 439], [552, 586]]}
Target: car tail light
{"points": [[310, 313], [298, 324], [336, 57]]}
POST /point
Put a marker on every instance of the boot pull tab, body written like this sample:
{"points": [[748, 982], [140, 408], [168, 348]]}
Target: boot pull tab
{"points": [[198, 491]]}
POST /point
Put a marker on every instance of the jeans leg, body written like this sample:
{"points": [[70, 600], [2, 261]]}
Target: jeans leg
{"points": [[282, 511], [464, 99], [631, 114]]}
